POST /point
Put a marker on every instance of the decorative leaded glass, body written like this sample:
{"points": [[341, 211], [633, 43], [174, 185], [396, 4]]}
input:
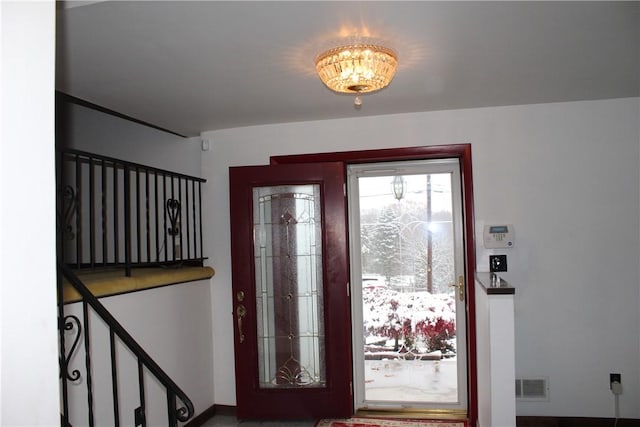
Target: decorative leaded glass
{"points": [[289, 298]]}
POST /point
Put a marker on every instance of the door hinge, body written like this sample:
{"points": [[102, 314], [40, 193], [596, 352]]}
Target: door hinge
{"points": [[344, 189], [351, 388], [348, 289]]}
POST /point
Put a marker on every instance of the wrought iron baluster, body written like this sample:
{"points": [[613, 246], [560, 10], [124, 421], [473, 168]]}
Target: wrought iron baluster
{"points": [[114, 379], [138, 220], [147, 215], [188, 228], [157, 258], [116, 215], [166, 243], [180, 217], [173, 210], [127, 219], [193, 211], [67, 213], [171, 408], [69, 323], [140, 412], [103, 200], [200, 206], [92, 213], [173, 230], [63, 356], [79, 233], [87, 358]]}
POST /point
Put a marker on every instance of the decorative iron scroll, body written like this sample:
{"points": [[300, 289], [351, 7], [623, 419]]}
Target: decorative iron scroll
{"points": [[68, 204], [173, 210], [71, 322], [183, 414]]}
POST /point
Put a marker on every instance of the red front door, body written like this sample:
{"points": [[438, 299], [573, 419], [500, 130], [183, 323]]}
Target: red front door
{"points": [[290, 291]]}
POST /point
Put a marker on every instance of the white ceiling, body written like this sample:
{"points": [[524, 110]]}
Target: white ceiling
{"points": [[196, 66]]}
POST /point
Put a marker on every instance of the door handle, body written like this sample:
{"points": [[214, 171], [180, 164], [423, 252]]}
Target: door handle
{"points": [[240, 313], [460, 286]]}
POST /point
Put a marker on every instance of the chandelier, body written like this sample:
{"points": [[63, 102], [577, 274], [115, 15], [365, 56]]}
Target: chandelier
{"points": [[357, 68]]}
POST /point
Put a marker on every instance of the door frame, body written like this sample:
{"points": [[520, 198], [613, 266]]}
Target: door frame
{"points": [[463, 153], [355, 172]]}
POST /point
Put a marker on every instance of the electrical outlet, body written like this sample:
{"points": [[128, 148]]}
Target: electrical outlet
{"points": [[614, 378], [497, 263]]}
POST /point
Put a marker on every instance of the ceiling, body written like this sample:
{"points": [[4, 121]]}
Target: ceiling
{"points": [[195, 66]]}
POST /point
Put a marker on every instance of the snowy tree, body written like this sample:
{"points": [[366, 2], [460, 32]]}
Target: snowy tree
{"points": [[386, 246], [398, 242], [368, 223], [442, 264]]}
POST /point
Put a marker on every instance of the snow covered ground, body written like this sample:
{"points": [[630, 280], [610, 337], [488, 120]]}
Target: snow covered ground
{"points": [[417, 381], [413, 316]]}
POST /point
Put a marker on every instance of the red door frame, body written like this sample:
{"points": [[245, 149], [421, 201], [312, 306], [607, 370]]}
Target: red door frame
{"points": [[463, 153]]}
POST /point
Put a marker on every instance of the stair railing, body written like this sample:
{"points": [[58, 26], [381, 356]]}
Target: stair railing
{"points": [[71, 323], [114, 213]]}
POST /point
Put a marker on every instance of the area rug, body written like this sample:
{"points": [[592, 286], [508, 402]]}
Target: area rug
{"points": [[388, 422]]}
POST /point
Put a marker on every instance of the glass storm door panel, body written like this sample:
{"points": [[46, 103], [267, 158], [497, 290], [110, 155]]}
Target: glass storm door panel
{"points": [[407, 275], [289, 260]]}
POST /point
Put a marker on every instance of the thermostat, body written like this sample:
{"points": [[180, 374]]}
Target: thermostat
{"points": [[498, 236]]}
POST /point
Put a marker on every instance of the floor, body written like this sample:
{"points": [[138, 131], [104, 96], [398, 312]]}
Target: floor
{"points": [[387, 380], [230, 421]]}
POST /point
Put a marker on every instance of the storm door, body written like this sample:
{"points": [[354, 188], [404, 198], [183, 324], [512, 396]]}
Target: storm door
{"points": [[408, 286], [290, 292]]}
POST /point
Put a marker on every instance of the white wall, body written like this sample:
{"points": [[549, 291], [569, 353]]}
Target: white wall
{"points": [[99, 133], [566, 175], [28, 344]]}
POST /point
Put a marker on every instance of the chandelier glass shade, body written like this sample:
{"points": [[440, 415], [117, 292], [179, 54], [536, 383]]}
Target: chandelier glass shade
{"points": [[357, 68]]}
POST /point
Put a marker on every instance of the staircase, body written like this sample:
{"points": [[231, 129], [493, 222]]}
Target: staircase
{"points": [[116, 216], [79, 328]]}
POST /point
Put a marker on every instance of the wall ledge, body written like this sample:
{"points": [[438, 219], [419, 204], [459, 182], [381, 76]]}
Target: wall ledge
{"points": [[494, 287], [109, 282]]}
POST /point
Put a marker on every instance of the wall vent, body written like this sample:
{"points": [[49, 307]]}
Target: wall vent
{"points": [[532, 388]]}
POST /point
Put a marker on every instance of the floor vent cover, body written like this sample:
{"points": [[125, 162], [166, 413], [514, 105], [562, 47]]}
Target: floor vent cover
{"points": [[532, 388]]}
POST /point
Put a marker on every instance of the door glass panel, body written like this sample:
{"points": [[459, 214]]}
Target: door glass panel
{"points": [[406, 263], [289, 299], [408, 306]]}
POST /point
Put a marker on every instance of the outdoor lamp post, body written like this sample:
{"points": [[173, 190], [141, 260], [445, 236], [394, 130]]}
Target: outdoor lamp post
{"points": [[398, 185]]}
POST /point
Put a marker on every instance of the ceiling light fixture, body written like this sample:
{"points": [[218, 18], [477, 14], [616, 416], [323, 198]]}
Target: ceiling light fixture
{"points": [[357, 68]]}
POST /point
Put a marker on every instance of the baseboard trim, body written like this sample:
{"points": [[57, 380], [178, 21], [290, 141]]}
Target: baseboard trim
{"points": [[575, 422], [227, 410], [208, 413]]}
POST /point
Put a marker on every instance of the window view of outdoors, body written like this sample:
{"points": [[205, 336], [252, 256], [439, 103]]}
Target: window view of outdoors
{"points": [[409, 306]]}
